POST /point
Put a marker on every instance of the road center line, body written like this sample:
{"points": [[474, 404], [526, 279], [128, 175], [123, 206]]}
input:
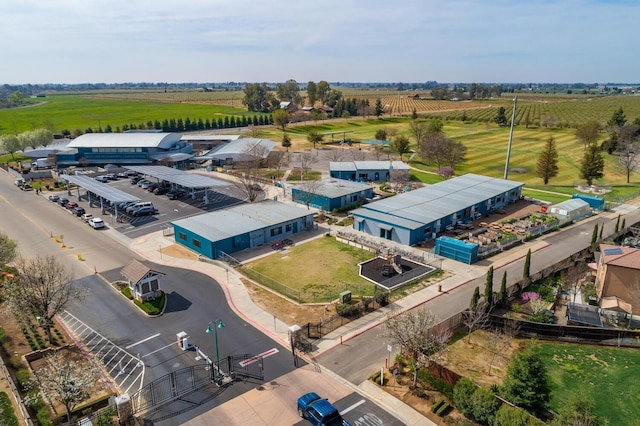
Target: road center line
{"points": [[356, 405], [142, 341]]}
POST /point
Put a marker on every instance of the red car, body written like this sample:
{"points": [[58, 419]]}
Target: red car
{"points": [[71, 204]]}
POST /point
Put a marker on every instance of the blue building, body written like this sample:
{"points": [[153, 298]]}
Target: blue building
{"points": [[330, 194], [131, 148], [425, 213], [365, 171], [241, 227]]}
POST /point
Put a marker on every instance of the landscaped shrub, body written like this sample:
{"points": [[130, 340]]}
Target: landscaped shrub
{"points": [[347, 310], [382, 298], [484, 405], [437, 405], [127, 292], [7, 415], [376, 377], [462, 396], [23, 377]]}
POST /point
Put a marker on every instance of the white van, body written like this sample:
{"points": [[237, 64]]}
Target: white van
{"points": [[136, 206]]}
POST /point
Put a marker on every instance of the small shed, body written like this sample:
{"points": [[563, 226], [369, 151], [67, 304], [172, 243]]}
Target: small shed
{"points": [[570, 210], [330, 194], [144, 282], [596, 203], [459, 250]]}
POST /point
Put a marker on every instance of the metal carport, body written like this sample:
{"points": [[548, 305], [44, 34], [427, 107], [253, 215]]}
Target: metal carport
{"points": [[180, 177], [101, 190]]}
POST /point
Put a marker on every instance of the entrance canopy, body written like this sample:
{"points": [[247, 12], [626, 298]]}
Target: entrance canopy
{"points": [[179, 177]]}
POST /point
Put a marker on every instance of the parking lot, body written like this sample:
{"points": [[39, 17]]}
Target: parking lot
{"points": [[166, 210]]}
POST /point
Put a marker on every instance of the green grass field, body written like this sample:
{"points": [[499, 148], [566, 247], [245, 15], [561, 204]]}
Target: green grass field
{"points": [[319, 269], [78, 112], [608, 375]]}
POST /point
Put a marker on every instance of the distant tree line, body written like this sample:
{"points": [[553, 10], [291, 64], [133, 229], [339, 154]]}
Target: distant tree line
{"points": [[180, 125]]}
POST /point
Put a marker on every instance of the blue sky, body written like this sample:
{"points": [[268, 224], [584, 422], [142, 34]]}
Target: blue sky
{"points": [[79, 41]]}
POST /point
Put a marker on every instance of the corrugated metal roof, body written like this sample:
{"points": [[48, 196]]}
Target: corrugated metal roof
{"points": [[353, 166], [241, 147], [333, 188], [383, 217], [342, 166], [241, 219], [125, 140], [571, 205], [200, 137], [101, 189], [428, 204], [180, 177]]}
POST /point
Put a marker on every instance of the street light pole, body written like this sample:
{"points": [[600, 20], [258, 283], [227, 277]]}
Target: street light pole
{"points": [[216, 325]]}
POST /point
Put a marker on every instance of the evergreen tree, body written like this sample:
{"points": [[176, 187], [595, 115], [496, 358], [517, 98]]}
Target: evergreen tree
{"points": [[255, 120], [488, 289], [286, 141], [179, 125], [594, 236], [475, 298], [526, 383], [501, 117], [618, 119], [232, 121], [502, 294], [207, 124], [592, 166], [226, 122], [547, 164], [245, 121], [378, 109], [600, 235], [527, 265], [617, 228], [624, 222]]}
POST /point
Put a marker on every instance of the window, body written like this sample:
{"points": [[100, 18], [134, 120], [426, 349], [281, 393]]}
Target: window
{"points": [[196, 243], [287, 227], [276, 231], [182, 236]]}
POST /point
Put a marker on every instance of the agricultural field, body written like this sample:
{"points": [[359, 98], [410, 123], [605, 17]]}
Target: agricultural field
{"points": [[607, 375], [80, 112], [563, 113]]}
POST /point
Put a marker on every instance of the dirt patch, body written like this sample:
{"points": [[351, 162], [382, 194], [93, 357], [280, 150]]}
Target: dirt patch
{"points": [[180, 252]]}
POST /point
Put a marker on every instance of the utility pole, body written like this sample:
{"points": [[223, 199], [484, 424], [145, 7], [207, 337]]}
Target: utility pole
{"points": [[513, 121]]}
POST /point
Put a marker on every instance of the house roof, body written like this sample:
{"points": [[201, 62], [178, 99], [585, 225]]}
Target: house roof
{"points": [[135, 271], [125, 140], [352, 166], [570, 205], [622, 256], [195, 137]]}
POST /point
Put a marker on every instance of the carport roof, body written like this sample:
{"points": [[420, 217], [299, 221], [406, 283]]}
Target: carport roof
{"points": [[101, 189], [180, 177]]}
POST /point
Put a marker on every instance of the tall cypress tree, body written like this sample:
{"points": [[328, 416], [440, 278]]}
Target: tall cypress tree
{"points": [[617, 225], [502, 295], [527, 265], [594, 236], [488, 289], [475, 298]]}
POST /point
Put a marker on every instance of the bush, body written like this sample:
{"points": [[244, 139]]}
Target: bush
{"points": [[437, 405], [23, 377], [346, 310], [376, 378], [127, 292], [7, 414], [382, 298], [462, 396]]}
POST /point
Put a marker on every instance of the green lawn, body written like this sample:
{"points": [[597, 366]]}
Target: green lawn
{"points": [[319, 269], [608, 375], [78, 112]]}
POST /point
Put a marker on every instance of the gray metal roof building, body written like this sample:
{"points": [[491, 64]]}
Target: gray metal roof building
{"points": [[246, 149], [418, 215]]}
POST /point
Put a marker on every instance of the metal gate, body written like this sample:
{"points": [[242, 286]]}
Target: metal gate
{"points": [[171, 386], [247, 366]]}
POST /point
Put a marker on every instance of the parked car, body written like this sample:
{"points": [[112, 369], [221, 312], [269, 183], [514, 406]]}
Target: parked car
{"points": [[54, 198], [134, 180], [175, 194], [26, 187], [161, 190], [152, 187], [63, 201], [71, 205], [122, 176], [136, 206], [96, 223], [319, 411], [86, 217], [144, 211], [131, 173], [78, 211], [111, 176], [102, 179], [142, 182]]}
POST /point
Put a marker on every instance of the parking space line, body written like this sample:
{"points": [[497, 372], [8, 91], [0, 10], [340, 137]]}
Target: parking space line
{"points": [[354, 406], [142, 341]]}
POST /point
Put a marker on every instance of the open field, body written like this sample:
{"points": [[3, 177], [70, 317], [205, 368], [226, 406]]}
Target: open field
{"points": [[567, 113], [328, 268], [78, 112], [608, 375]]}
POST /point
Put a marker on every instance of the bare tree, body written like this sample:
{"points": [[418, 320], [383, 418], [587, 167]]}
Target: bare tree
{"points": [[588, 132], [418, 129], [308, 191], [475, 317], [65, 380], [378, 151], [419, 335], [43, 287], [306, 159], [334, 155], [358, 155], [7, 249], [277, 160], [498, 344], [256, 132], [432, 148], [398, 178], [628, 160]]}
